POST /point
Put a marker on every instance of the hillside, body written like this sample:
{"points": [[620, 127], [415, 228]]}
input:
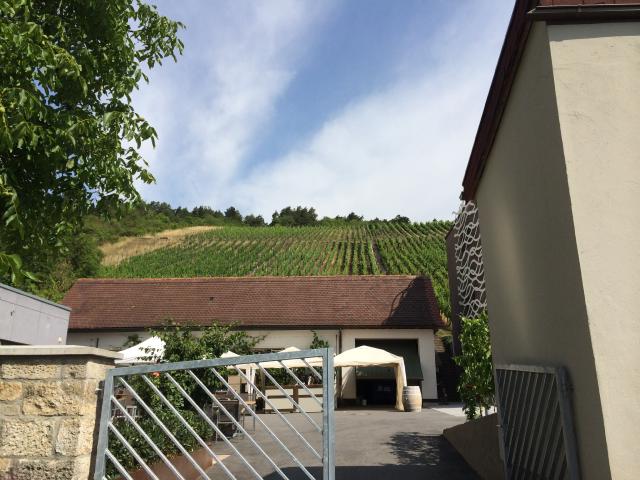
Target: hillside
{"points": [[362, 248], [126, 247]]}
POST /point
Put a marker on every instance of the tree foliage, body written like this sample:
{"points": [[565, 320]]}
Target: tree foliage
{"points": [[318, 342], [183, 344], [476, 386], [292, 217], [254, 221], [233, 214], [400, 219], [69, 135], [353, 217]]}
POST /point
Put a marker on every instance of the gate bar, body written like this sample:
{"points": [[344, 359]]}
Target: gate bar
{"points": [[188, 427], [264, 397], [234, 421], [132, 451], [313, 422], [328, 432], [108, 399], [213, 425], [118, 465], [147, 438], [299, 382], [269, 431], [164, 428]]}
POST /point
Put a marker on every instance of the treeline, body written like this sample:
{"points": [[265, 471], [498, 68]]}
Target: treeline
{"points": [[152, 217]]}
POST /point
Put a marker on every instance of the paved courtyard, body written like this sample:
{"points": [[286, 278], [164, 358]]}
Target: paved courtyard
{"points": [[371, 444]]}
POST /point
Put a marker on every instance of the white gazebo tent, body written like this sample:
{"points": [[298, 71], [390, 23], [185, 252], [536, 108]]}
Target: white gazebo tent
{"points": [[365, 356], [150, 350]]}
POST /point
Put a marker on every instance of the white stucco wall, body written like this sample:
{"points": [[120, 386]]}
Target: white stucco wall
{"points": [[278, 339], [597, 82], [106, 340], [275, 339]]}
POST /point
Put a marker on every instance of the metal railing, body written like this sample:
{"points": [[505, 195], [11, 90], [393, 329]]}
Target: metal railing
{"points": [[536, 425], [169, 416]]}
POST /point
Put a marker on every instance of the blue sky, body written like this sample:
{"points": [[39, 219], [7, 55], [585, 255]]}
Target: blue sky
{"points": [[366, 106]]}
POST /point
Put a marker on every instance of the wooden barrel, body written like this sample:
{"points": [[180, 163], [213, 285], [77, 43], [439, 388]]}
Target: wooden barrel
{"points": [[412, 399]]}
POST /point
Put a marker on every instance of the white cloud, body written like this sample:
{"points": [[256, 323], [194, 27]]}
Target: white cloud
{"points": [[209, 107], [399, 151]]}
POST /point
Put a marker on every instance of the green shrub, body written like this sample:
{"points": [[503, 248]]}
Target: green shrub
{"points": [[476, 386]]}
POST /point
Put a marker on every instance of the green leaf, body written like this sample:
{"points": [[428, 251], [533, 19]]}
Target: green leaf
{"points": [[15, 261], [68, 73], [31, 276]]}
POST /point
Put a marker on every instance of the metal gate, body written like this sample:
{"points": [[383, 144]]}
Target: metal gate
{"points": [[536, 425], [186, 420]]}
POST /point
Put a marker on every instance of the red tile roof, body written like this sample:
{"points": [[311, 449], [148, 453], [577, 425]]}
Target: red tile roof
{"points": [[385, 301], [524, 13]]}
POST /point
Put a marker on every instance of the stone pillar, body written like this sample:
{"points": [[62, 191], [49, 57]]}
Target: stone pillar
{"points": [[49, 406]]}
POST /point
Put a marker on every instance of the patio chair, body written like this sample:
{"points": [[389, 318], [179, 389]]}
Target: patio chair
{"points": [[226, 425], [250, 401]]}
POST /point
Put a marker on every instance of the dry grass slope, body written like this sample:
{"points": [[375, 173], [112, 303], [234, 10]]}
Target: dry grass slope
{"points": [[128, 247]]}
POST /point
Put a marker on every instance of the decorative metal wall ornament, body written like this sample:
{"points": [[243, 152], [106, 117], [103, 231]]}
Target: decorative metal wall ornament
{"points": [[472, 294]]}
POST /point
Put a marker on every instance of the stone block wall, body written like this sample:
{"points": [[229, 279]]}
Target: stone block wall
{"points": [[49, 405]]}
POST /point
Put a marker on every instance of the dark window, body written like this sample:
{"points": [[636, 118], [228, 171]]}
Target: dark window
{"points": [[407, 349]]}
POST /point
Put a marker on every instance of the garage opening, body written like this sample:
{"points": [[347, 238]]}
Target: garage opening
{"points": [[377, 385]]}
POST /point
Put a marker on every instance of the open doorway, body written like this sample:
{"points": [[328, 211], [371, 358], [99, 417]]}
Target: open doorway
{"points": [[377, 385]]}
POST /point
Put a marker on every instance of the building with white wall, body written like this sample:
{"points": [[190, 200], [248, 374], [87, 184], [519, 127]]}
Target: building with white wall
{"points": [[26, 319], [396, 313]]}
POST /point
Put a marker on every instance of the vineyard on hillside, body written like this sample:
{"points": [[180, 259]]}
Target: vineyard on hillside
{"points": [[367, 248]]}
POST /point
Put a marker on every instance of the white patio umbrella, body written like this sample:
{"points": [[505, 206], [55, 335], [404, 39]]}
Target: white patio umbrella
{"points": [[365, 356], [293, 363], [243, 366], [249, 368], [150, 350]]}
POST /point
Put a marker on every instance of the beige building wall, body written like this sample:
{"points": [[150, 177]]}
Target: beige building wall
{"points": [[597, 82], [279, 339], [536, 303]]}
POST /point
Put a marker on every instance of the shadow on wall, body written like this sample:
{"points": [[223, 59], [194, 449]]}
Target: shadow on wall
{"points": [[420, 457], [477, 442], [413, 302]]}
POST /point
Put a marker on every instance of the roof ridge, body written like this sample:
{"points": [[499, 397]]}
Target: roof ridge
{"points": [[243, 277]]}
